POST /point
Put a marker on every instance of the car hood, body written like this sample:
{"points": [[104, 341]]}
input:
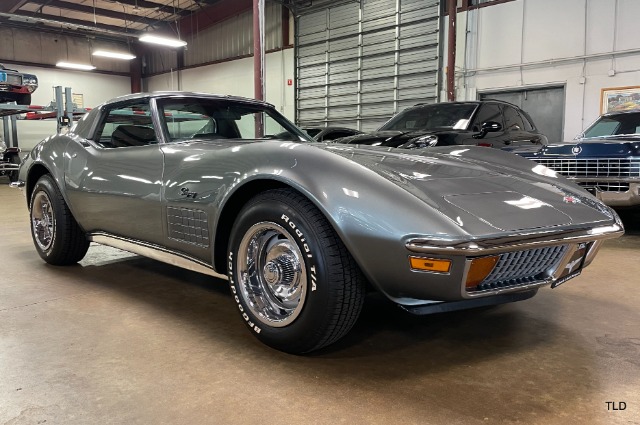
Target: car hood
{"points": [[613, 147], [394, 139], [463, 187]]}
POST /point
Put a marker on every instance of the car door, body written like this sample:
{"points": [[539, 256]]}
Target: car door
{"points": [[113, 177], [488, 112], [516, 130]]}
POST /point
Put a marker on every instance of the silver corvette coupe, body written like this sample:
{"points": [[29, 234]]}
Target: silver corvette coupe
{"points": [[301, 230]]}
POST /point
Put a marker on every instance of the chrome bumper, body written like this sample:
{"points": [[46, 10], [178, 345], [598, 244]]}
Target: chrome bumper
{"points": [[629, 198], [486, 246]]}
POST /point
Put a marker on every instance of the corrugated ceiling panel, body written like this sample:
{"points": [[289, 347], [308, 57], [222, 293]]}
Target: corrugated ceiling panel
{"points": [[229, 39]]}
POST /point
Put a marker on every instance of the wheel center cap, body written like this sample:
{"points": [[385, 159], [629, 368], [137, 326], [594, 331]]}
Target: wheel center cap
{"points": [[272, 272]]}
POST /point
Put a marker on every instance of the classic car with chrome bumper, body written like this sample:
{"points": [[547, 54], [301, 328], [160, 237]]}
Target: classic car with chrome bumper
{"points": [[16, 86], [605, 159], [228, 187]]}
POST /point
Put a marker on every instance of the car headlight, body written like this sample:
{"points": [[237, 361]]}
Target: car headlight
{"points": [[31, 82], [422, 142]]}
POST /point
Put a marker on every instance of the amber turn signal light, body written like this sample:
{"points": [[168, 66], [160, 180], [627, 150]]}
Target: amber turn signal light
{"points": [[479, 270], [430, 264]]}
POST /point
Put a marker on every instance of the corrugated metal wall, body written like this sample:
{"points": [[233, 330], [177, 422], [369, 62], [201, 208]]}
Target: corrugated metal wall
{"points": [[48, 48], [360, 63], [226, 40]]}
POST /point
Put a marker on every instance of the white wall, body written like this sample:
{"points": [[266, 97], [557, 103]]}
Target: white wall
{"points": [[95, 88], [529, 43], [236, 78]]}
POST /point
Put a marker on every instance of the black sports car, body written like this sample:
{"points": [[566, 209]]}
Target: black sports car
{"points": [[326, 134], [490, 123]]}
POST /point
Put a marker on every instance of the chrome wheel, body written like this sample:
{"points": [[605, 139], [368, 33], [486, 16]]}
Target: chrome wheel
{"points": [[272, 274], [42, 220]]}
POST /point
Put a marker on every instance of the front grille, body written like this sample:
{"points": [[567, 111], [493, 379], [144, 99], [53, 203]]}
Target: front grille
{"points": [[605, 186], [595, 167], [522, 267]]}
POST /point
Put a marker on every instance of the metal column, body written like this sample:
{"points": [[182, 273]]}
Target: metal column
{"points": [[258, 60]]}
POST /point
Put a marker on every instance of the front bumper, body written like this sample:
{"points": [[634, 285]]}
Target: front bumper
{"points": [[572, 249], [628, 198]]}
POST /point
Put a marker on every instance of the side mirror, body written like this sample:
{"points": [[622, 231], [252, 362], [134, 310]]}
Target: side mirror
{"points": [[488, 127]]}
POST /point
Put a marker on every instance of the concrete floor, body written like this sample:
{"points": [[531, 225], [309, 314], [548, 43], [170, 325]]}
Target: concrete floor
{"points": [[121, 339]]}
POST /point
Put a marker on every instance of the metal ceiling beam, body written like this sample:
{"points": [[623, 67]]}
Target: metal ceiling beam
{"points": [[10, 6], [66, 5], [143, 4], [79, 32], [68, 22]]}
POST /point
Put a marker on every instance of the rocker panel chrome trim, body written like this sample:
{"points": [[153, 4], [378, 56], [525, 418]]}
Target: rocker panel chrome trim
{"points": [[155, 252]]}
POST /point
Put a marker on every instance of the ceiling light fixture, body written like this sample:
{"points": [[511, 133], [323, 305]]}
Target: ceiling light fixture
{"points": [[114, 55], [164, 41], [80, 66]]}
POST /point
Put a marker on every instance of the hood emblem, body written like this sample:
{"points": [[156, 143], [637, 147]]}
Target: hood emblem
{"points": [[576, 149], [571, 200]]}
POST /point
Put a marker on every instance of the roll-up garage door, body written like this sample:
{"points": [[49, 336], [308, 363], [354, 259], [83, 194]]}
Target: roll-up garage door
{"points": [[360, 63]]}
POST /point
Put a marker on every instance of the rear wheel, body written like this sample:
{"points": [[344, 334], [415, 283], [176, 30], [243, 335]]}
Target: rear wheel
{"points": [[56, 234], [296, 285]]}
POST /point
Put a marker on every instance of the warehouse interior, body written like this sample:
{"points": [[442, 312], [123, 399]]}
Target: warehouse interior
{"points": [[120, 338]]}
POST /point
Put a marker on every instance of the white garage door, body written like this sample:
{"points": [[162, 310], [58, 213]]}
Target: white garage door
{"points": [[360, 63]]}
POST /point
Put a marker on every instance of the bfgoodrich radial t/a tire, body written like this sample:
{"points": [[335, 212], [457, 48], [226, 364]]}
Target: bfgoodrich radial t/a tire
{"points": [[296, 285], [56, 235]]}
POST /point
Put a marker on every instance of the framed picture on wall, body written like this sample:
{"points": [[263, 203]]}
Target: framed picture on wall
{"points": [[617, 99]]}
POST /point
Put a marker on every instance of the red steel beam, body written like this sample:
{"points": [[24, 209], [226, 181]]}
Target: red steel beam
{"points": [[451, 51]]}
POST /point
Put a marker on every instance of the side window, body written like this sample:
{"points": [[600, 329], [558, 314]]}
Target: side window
{"points": [[512, 119], [126, 126], [487, 112], [528, 124]]}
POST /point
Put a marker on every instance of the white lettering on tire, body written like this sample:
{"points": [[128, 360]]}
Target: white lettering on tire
{"points": [[306, 248], [245, 316]]}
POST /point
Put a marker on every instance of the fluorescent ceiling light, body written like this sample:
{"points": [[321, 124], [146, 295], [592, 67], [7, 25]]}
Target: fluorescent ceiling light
{"points": [[171, 42], [80, 66], [114, 55]]}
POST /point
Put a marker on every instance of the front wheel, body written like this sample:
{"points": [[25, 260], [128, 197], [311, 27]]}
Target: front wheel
{"points": [[296, 285], [56, 234]]}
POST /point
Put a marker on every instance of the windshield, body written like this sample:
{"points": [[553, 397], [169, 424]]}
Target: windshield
{"points": [[203, 118], [613, 125], [432, 117]]}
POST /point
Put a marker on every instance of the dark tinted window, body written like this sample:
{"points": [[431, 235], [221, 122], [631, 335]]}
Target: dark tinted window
{"points": [[430, 117], [338, 134], [512, 119], [313, 132], [615, 125], [487, 112]]}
